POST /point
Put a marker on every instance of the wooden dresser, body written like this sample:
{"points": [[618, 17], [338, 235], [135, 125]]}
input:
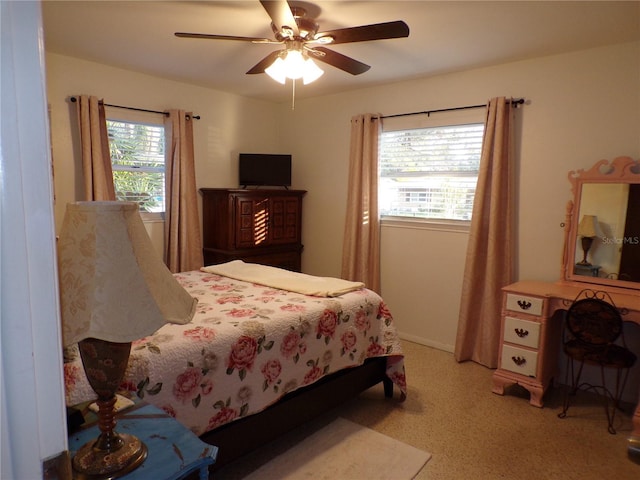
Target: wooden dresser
{"points": [[255, 225]]}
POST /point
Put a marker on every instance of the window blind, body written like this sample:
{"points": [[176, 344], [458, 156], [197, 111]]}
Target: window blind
{"points": [[430, 172]]}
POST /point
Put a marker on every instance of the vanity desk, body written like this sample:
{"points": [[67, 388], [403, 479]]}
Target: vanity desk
{"points": [[532, 315], [531, 334]]}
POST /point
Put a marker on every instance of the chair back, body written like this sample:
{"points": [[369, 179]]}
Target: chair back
{"points": [[594, 322]]}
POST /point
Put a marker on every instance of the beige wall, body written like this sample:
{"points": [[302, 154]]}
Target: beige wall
{"points": [[229, 123], [582, 107]]}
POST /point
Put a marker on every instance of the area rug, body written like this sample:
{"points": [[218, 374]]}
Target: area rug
{"points": [[344, 450]]}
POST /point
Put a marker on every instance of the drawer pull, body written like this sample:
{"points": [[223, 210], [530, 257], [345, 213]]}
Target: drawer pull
{"points": [[521, 332], [524, 305], [519, 361]]}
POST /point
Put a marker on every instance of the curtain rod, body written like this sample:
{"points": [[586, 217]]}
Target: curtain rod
{"points": [[74, 99], [514, 102]]}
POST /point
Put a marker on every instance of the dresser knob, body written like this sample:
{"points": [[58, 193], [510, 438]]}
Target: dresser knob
{"points": [[521, 332], [519, 361], [524, 305]]}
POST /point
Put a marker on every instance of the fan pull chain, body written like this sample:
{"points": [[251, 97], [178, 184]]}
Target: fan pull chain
{"points": [[293, 94]]}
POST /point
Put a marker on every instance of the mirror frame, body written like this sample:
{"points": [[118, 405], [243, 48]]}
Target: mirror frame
{"points": [[620, 170]]}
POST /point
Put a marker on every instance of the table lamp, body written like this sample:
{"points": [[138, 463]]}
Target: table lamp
{"points": [[588, 229], [114, 289]]}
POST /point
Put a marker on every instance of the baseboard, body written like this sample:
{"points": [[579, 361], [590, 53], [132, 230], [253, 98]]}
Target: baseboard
{"points": [[426, 342]]}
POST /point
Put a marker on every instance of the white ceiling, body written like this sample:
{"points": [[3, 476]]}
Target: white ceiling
{"points": [[445, 36]]}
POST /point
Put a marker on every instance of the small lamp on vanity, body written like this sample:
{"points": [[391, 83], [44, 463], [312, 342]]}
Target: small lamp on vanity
{"points": [[114, 288], [588, 229]]}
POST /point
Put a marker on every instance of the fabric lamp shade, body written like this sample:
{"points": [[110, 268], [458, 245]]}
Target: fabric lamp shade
{"points": [[589, 227], [113, 284]]}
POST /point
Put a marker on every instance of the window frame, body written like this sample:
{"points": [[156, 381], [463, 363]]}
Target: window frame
{"points": [[438, 119], [142, 117]]}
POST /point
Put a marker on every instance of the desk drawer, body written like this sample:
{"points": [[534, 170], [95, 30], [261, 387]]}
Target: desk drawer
{"points": [[524, 304], [521, 332], [519, 360]]}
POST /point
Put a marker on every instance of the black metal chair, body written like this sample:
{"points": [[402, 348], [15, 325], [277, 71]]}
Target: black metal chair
{"points": [[594, 335]]}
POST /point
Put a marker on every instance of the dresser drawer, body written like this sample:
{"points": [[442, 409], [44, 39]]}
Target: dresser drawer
{"points": [[519, 360], [524, 304], [521, 332]]}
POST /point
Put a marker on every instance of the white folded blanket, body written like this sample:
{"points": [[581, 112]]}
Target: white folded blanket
{"points": [[284, 279]]}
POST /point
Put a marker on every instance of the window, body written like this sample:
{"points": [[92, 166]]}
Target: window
{"points": [[430, 172], [137, 159]]}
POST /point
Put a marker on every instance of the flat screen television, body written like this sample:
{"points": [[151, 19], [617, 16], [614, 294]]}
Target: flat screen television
{"points": [[264, 169]]}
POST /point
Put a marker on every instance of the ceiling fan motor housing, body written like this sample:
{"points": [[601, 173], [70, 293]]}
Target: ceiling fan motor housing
{"points": [[307, 27]]}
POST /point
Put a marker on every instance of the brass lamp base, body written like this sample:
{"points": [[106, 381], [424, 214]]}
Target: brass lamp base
{"points": [[111, 455], [586, 245], [91, 463]]}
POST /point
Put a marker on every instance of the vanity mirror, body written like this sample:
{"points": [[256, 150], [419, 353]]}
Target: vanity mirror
{"points": [[602, 236]]}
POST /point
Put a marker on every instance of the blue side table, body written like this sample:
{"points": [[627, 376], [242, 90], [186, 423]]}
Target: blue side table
{"points": [[174, 450]]}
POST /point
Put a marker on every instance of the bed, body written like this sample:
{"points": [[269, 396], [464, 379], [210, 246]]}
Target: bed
{"points": [[256, 361]]}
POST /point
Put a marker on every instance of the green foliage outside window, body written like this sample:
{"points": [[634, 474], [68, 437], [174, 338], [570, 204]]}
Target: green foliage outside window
{"points": [[137, 158]]}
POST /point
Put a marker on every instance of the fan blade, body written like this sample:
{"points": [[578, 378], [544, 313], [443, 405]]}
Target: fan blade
{"points": [[281, 15], [377, 31], [264, 63], [224, 37], [335, 59]]}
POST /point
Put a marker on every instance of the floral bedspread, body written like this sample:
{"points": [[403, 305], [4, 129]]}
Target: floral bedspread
{"points": [[246, 347]]}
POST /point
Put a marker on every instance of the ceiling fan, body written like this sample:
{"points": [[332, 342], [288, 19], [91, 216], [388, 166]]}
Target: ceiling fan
{"points": [[302, 41]]}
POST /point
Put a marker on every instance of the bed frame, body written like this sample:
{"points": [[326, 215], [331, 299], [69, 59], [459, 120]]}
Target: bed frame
{"points": [[242, 436]]}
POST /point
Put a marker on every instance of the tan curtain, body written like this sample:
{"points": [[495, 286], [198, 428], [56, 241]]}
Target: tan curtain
{"points": [[182, 240], [489, 261], [96, 159], [361, 243]]}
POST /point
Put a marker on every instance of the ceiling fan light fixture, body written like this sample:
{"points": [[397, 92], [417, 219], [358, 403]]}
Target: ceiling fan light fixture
{"points": [[312, 72], [277, 70], [294, 65]]}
